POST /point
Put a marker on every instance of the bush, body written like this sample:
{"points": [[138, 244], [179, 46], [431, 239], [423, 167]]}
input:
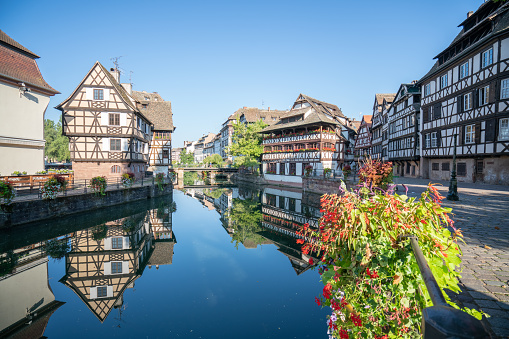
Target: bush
{"points": [[127, 179], [308, 169], [375, 173], [52, 186], [7, 192], [18, 173], [98, 185], [160, 180]]}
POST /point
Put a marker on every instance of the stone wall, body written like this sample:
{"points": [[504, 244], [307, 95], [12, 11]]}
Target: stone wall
{"points": [[250, 178], [89, 169], [321, 185], [23, 212]]}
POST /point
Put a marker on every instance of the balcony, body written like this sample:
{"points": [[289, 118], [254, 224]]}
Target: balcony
{"points": [[162, 136], [306, 155], [300, 138]]}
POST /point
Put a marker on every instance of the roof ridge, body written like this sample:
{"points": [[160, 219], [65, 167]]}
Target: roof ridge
{"points": [[13, 43]]}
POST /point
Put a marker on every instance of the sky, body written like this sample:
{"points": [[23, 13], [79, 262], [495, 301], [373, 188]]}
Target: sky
{"points": [[210, 58]]}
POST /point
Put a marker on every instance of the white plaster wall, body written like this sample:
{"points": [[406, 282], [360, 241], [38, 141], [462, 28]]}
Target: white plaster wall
{"points": [[21, 159], [284, 178], [504, 50], [283, 193]]}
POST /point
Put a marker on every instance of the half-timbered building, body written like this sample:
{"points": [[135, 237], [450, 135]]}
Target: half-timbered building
{"points": [[108, 134], [160, 115], [362, 147], [309, 134], [466, 94], [24, 97], [403, 149], [380, 108]]}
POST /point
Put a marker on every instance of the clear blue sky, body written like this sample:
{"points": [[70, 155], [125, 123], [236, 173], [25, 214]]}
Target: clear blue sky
{"points": [[210, 58]]}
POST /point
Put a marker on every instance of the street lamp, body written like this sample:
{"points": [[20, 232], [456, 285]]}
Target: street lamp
{"points": [[453, 183]]}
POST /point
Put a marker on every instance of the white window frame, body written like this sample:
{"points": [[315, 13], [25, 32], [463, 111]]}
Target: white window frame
{"points": [[487, 58], [434, 140], [469, 134], [101, 91], [427, 140], [443, 81], [484, 94], [467, 101], [464, 70], [115, 150], [504, 89], [116, 240], [427, 89], [117, 263], [503, 129]]}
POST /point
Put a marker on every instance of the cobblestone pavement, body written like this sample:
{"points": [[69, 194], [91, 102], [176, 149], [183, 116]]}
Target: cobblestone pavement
{"points": [[483, 215]]}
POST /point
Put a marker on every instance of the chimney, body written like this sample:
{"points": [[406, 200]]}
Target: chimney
{"points": [[128, 88], [116, 74], [245, 107], [469, 14], [268, 109]]}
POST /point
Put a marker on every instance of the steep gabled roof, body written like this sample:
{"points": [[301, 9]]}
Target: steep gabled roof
{"points": [[18, 64], [388, 97], [157, 110], [312, 119], [319, 106], [367, 119], [253, 114]]}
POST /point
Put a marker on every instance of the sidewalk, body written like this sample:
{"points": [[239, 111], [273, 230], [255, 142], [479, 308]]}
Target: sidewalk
{"points": [[483, 215]]}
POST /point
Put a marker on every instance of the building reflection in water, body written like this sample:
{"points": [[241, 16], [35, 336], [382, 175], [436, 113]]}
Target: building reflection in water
{"points": [[105, 260], [272, 215], [26, 299]]}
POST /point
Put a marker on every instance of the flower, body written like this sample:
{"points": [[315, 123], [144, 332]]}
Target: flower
{"points": [[300, 241], [317, 301], [356, 320], [311, 261]]}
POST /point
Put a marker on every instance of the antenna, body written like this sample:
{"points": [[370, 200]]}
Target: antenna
{"points": [[130, 77], [263, 103]]}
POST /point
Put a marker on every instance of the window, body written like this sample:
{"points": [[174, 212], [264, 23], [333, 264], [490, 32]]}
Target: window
{"points": [[102, 291], [487, 58], [503, 129], [98, 94], [435, 166], [443, 81], [166, 154], [467, 101], [281, 202], [469, 134], [144, 106], [291, 204], [293, 168], [484, 95], [461, 169], [115, 169], [271, 200], [282, 169], [116, 267], [114, 144], [427, 89], [427, 140], [434, 139], [504, 90], [464, 70], [479, 167], [114, 119], [445, 166], [116, 243]]}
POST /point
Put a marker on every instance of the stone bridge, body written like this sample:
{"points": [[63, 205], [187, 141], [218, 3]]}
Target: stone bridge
{"points": [[210, 172]]}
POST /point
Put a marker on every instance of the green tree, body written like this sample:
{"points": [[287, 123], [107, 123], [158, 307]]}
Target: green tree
{"points": [[246, 143], [186, 158], [215, 159], [57, 145], [245, 218]]}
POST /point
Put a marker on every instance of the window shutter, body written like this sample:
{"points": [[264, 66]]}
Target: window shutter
{"points": [[107, 268], [106, 144], [475, 97], [477, 133], [425, 116], [439, 138], [126, 243], [123, 119], [90, 93], [125, 267], [459, 104], [106, 92], [105, 118], [489, 133], [107, 244], [460, 135], [493, 91], [437, 111], [93, 292], [109, 291], [125, 143]]}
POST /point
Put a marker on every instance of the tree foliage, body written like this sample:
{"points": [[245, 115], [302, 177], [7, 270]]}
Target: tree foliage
{"points": [[215, 159], [246, 143], [57, 145], [245, 218], [186, 158]]}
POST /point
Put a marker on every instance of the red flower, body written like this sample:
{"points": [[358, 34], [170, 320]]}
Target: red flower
{"points": [[343, 334], [327, 291], [356, 320], [317, 301], [300, 241], [373, 274], [311, 261]]}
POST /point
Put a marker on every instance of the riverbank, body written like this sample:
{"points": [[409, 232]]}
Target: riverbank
{"points": [[26, 211]]}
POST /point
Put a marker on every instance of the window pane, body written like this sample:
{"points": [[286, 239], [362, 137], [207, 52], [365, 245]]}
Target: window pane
{"points": [[102, 291]]}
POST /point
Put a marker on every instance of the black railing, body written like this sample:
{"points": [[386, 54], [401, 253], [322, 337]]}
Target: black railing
{"points": [[441, 320]]}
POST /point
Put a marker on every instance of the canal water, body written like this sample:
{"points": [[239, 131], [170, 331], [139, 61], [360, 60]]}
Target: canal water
{"points": [[203, 263]]}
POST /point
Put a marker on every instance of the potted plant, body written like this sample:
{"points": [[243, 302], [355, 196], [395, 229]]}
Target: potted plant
{"points": [[7, 192], [327, 172], [127, 179], [347, 170], [308, 170], [98, 185]]}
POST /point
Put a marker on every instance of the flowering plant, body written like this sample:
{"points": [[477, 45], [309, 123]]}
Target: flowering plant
{"points": [[376, 173], [372, 281], [329, 149], [18, 173], [98, 185], [326, 172], [308, 170], [346, 170], [52, 186], [160, 180], [127, 179], [7, 192]]}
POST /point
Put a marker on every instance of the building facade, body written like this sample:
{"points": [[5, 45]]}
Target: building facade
{"points": [[362, 147], [24, 97], [380, 107], [466, 95]]}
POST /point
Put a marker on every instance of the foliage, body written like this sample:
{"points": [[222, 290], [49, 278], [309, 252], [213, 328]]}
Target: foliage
{"points": [[214, 159], [186, 158], [57, 249], [376, 173], [245, 218], [42, 172], [99, 232], [308, 169], [347, 170], [160, 181], [371, 278], [214, 193], [172, 176], [173, 207], [8, 262], [7, 191], [52, 186], [18, 173], [57, 145], [127, 179], [246, 143], [98, 185], [326, 172], [190, 178]]}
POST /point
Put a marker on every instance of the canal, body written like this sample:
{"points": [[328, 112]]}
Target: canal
{"points": [[203, 263]]}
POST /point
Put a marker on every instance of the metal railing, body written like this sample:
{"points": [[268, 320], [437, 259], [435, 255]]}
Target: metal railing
{"points": [[441, 320]]}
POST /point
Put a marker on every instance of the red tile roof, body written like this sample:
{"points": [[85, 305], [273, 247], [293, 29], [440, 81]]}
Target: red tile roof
{"points": [[18, 64]]}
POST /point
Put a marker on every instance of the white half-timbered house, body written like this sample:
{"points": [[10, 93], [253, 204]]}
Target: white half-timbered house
{"points": [[160, 115], [362, 146], [310, 134], [381, 104], [108, 135], [466, 93], [403, 136]]}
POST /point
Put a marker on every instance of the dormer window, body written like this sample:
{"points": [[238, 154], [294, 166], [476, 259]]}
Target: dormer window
{"points": [[147, 98], [144, 106]]}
